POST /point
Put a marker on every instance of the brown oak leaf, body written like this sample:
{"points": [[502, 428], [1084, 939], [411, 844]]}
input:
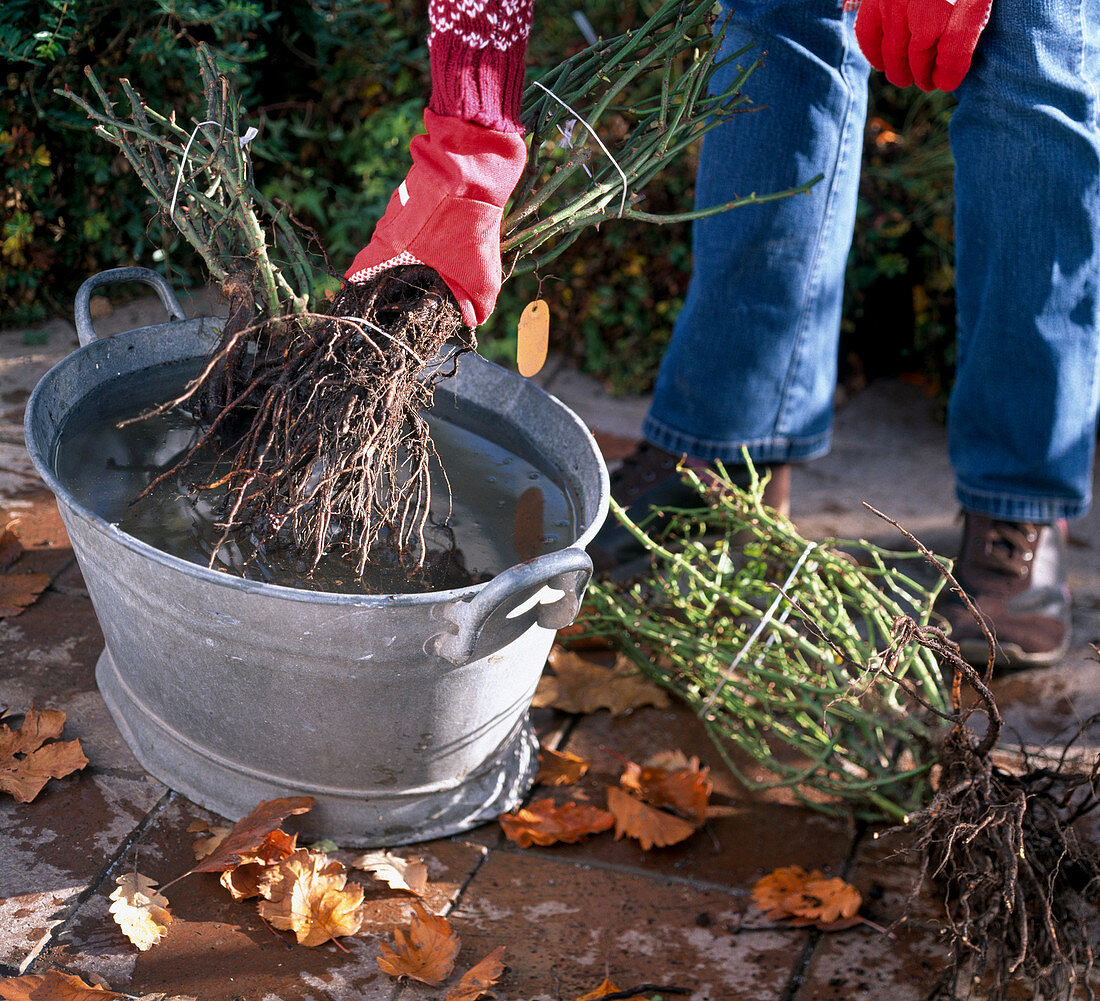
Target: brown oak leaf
{"points": [[790, 893], [652, 828], [577, 637], [827, 904], [477, 980], [426, 952], [27, 762], [580, 685], [607, 987], [243, 881], [544, 823], [410, 875], [212, 837], [18, 591], [139, 910], [10, 548], [248, 833], [560, 768], [771, 892], [53, 986], [671, 779], [37, 728], [308, 894]]}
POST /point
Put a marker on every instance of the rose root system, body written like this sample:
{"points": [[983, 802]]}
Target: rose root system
{"points": [[320, 417], [1021, 885]]}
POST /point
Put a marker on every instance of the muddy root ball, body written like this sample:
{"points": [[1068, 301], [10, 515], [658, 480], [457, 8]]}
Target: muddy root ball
{"points": [[321, 418]]}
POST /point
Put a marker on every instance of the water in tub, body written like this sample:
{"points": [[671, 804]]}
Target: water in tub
{"points": [[495, 506]]}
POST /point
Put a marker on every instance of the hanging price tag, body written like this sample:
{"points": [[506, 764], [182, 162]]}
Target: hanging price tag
{"points": [[533, 338]]}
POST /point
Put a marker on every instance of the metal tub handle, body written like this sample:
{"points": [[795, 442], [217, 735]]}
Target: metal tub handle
{"points": [[85, 332], [567, 570]]}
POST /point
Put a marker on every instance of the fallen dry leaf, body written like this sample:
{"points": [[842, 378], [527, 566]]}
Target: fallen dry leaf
{"points": [[543, 823], [426, 952], [807, 898], [19, 591], [139, 910], [477, 980], [27, 762], [10, 548], [249, 832], [410, 875], [213, 836], [577, 637], [607, 987], [651, 827], [672, 760], [827, 904], [560, 768], [37, 728], [671, 779], [243, 880], [771, 892], [308, 894], [53, 986], [580, 685]]}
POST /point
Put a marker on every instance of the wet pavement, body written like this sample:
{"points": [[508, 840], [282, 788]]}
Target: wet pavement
{"points": [[680, 918]]}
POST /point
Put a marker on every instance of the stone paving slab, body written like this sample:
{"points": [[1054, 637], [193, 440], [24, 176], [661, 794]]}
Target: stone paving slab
{"points": [[867, 964], [57, 849], [53, 645], [219, 949], [1045, 708], [753, 833], [568, 915], [566, 925], [862, 964]]}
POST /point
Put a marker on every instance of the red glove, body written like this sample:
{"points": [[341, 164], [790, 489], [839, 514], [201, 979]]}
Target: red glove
{"points": [[926, 42], [448, 210]]}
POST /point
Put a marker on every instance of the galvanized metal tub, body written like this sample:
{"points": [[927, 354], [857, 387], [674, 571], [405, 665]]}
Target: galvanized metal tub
{"points": [[405, 716]]}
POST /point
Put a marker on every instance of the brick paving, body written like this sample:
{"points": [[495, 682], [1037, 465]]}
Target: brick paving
{"points": [[569, 914]]}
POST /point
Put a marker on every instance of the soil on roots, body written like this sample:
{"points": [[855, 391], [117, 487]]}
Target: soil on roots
{"points": [[321, 419], [1020, 884]]}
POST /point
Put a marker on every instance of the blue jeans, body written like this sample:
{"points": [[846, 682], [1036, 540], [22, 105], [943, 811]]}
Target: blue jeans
{"points": [[752, 362]]}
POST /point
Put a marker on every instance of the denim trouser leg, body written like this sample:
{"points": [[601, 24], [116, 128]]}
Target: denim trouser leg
{"points": [[752, 360], [1026, 139]]}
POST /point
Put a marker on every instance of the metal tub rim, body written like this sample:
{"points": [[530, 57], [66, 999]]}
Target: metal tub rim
{"points": [[44, 465]]}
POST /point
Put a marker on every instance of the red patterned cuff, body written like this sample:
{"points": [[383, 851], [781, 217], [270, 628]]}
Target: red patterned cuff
{"points": [[477, 50]]}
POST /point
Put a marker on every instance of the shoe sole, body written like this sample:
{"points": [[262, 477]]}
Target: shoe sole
{"points": [[1010, 655]]}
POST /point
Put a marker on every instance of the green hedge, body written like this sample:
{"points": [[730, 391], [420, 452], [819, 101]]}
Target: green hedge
{"points": [[337, 89], [899, 312]]}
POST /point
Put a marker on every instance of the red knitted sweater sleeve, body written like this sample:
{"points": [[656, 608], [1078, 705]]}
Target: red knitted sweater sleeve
{"points": [[477, 49]]}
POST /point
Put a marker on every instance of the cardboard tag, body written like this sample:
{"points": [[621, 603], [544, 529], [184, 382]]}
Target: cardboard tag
{"points": [[533, 338]]}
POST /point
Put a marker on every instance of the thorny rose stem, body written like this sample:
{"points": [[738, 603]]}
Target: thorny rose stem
{"points": [[817, 682]]}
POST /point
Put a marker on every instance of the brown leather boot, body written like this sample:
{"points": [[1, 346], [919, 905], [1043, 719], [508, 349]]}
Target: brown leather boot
{"points": [[648, 482], [1014, 571]]}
